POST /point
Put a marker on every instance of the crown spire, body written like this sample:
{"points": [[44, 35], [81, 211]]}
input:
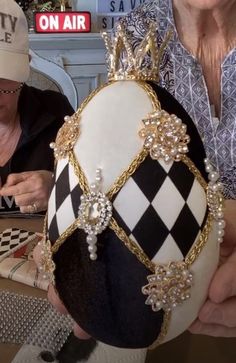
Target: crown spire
{"points": [[124, 63]]}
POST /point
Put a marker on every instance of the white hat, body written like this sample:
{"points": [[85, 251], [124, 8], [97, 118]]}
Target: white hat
{"points": [[14, 42]]}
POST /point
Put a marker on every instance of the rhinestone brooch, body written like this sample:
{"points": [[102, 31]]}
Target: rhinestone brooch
{"points": [[169, 286], [95, 212]]}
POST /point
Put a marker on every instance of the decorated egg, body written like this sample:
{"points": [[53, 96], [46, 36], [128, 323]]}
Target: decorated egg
{"points": [[135, 216]]}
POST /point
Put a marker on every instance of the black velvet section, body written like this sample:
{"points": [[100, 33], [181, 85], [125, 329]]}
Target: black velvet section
{"points": [[105, 296], [171, 105]]}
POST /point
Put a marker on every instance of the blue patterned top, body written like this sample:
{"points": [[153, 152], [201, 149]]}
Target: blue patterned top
{"points": [[182, 75]]}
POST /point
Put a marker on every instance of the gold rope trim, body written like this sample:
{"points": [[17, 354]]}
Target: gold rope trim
{"points": [[151, 93], [197, 248], [131, 245], [194, 171], [67, 233], [79, 172], [164, 330]]}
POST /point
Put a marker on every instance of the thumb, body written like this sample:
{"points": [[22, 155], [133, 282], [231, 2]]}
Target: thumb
{"points": [[223, 284]]}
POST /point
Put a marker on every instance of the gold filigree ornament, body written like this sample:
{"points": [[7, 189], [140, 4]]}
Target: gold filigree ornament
{"points": [[165, 136], [169, 286], [124, 63], [66, 137]]}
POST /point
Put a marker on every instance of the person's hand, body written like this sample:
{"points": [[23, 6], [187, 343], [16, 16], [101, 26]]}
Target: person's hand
{"points": [[57, 303], [217, 316], [30, 189], [54, 298]]}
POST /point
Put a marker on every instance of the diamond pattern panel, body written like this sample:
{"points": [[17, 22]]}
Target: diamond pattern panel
{"points": [[186, 223], [149, 177], [163, 203], [138, 201]]}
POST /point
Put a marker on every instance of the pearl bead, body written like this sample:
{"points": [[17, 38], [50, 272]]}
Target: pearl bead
{"points": [[208, 168], [93, 186], [93, 256], [221, 232], [220, 214], [91, 239], [92, 248], [213, 176], [221, 224]]}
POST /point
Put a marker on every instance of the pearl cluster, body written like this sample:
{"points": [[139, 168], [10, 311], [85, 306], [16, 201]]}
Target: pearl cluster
{"points": [[215, 198], [66, 137], [95, 212], [165, 136], [169, 286]]}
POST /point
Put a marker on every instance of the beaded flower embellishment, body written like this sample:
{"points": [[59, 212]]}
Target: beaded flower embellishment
{"points": [[165, 136], [66, 137], [169, 286]]}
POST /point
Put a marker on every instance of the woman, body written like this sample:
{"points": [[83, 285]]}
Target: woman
{"points": [[29, 121], [199, 70]]}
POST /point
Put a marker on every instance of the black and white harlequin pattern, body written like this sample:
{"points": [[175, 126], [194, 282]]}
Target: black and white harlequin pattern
{"points": [[12, 238], [161, 206]]}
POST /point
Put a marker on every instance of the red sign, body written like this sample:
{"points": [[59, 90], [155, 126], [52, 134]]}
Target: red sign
{"points": [[63, 22]]}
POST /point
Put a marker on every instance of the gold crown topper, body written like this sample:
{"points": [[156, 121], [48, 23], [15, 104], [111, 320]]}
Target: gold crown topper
{"points": [[124, 63]]}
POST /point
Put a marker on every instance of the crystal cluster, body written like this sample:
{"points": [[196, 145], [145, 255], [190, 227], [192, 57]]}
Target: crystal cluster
{"points": [[169, 286], [66, 137], [165, 136], [215, 199], [95, 212]]}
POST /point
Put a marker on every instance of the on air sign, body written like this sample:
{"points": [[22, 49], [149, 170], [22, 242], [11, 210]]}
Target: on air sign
{"points": [[63, 22]]}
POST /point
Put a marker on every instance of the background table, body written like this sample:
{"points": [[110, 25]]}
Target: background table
{"points": [[8, 351]]}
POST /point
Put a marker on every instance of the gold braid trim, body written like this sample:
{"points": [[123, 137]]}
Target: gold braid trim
{"points": [[67, 233], [185, 159], [131, 245], [197, 248], [122, 179], [83, 183], [164, 330], [151, 93]]}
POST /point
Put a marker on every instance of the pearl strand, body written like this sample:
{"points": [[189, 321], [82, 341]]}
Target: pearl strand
{"points": [[215, 199]]}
